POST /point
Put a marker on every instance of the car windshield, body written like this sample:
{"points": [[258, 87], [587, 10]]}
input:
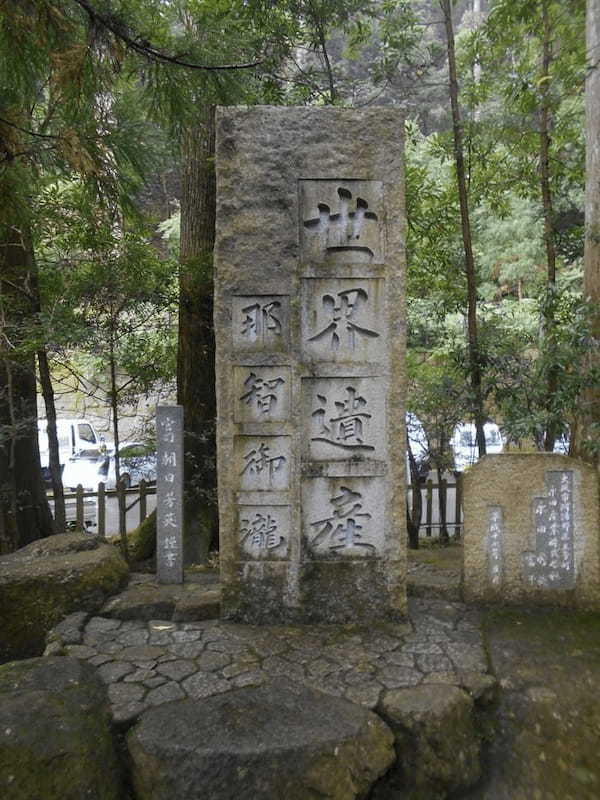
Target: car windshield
{"points": [[86, 433]]}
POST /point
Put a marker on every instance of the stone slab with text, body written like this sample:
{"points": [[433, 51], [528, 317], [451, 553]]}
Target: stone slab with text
{"points": [[310, 338], [531, 531], [169, 494]]}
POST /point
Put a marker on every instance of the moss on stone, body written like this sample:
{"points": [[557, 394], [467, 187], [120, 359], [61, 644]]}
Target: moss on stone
{"points": [[57, 741], [142, 540], [36, 596]]}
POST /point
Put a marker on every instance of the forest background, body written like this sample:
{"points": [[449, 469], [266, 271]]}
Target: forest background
{"points": [[106, 288]]}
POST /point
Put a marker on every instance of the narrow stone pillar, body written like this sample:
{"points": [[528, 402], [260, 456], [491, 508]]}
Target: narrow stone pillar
{"points": [[310, 332]]}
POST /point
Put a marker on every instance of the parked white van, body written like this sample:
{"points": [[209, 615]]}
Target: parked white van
{"points": [[77, 439], [464, 443]]}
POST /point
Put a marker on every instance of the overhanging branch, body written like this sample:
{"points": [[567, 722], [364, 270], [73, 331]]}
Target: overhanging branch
{"points": [[145, 48]]}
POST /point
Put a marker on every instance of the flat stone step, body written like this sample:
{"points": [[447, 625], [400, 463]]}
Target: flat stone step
{"points": [[283, 740], [198, 598]]}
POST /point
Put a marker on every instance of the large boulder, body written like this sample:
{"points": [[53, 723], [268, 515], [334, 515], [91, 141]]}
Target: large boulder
{"points": [[437, 744], [277, 741], [55, 739], [48, 579]]}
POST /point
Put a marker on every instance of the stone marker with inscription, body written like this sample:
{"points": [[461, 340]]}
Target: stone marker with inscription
{"points": [[169, 494], [310, 332], [531, 531]]}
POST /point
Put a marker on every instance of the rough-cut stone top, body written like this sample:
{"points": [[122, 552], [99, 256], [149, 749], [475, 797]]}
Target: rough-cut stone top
{"points": [[64, 551], [306, 149]]}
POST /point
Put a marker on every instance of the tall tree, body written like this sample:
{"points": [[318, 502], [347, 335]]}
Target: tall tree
{"points": [[60, 65], [196, 346], [589, 432], [463, 196]]}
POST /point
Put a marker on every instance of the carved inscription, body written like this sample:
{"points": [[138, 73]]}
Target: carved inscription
{"points": [[341, 319], [169, 487], [350, 428], [495, 545], [263, 462], [344, 517], [264, 532], [261, 322], [551, 566], [341, 221], [346, 417], [262, 394]]}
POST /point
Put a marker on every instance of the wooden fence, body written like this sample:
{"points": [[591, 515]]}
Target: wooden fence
{"points": [[440, 506], [84, 507]]}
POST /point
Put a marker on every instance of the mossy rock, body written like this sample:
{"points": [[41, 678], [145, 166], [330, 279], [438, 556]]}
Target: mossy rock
{"points": [[44, 582], [56, 741], [141, 541]]}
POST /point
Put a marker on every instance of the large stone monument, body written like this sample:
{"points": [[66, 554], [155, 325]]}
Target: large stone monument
{"points": [[531, 531], [310, 331]]}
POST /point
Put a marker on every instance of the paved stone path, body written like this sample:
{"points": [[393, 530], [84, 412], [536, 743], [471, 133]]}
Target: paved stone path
{"points": [[146, 663]]}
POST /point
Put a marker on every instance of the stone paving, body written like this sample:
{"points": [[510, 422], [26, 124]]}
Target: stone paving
{"points": [[146, 663]]}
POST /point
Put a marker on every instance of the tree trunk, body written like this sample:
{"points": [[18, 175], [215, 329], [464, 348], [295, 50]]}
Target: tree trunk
{"points": [[472, 338], [196, 346], [24, 511], [114, 407], [547, 202], [60, 517], [589, 424]]}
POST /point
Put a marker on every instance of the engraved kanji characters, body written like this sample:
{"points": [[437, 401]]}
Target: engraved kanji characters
{"points": [[343, 529], [261, 320], [262, 393], [341, 311], [259, 460], [348, 428], [261, 532]]}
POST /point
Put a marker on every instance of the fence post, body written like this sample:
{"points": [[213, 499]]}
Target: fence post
{"points": [[458, 509], [101, 510], [79, 515], [142, 500], [429, 513], [442, 505], [122, 498]]}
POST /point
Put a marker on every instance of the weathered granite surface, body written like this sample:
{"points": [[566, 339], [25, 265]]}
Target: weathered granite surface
{"points": [[544, 742], [310, 324], [55, 737], [532, 531], [436, 739], [282, 740], [148, 663], [48, 579], [198, 598]]}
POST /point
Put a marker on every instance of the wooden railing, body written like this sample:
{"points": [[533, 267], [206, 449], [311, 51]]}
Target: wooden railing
{"points": [[436, 512], [91, 506]]}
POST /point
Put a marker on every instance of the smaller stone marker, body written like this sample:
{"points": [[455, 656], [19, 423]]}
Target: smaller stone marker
{"points": [[169, 494], [532, 532]]}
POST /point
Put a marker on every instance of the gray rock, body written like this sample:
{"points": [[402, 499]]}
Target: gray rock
{"points": [[202, 685], [70, 630], [177, 670], [55, 739], [114, 671], [198, 605], [47, 580], [165, 694], [145, 601], [277, 741], [437, 744]]}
